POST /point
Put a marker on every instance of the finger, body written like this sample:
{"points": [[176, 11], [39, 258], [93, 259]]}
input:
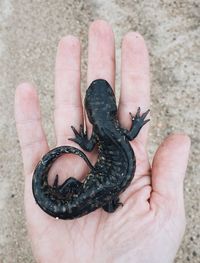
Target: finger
{"points": [[169, 166], [135, 81], [68, 105], [28, 121], [101, 54]]}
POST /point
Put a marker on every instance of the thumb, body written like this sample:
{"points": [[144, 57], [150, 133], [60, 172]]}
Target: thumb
{"points": [[169, 166]]}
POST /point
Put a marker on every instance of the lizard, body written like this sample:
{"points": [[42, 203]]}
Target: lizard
{"points": [[108, 177]]}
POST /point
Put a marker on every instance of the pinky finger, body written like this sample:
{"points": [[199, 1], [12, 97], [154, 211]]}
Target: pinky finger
{"points": [[28, 121]]}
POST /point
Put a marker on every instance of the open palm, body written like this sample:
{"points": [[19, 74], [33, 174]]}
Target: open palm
{"points": [[150, 225]]}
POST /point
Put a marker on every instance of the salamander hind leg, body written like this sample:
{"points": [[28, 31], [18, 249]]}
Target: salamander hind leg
{"points": [[112, 205], [70, 186]]}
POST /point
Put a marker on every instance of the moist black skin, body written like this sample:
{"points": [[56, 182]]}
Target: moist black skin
{"points": [[113, 171]]}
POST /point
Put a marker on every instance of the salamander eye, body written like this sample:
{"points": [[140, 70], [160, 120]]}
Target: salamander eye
{"points": [[90, 115], [89, 112], [113, 111]]}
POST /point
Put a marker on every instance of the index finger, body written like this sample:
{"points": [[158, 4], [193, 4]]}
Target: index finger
{"points": [[135, 91]]}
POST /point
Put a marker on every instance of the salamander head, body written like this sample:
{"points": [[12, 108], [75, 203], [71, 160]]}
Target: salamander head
{"points": [[100, 102]]}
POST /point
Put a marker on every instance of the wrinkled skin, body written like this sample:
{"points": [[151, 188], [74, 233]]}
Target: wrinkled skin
{"points": [[150, 225]]}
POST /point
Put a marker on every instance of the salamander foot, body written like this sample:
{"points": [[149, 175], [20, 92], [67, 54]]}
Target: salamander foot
{"points": [[112, 205]]}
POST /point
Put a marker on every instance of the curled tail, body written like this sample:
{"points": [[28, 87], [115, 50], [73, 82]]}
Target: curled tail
{"points": [[46, 196]]}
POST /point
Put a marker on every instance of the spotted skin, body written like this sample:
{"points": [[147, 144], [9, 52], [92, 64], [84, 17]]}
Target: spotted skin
{"points": [[111, 174]]}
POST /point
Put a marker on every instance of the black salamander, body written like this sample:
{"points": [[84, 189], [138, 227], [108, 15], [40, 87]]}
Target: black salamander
{"points": [[113, 171]]}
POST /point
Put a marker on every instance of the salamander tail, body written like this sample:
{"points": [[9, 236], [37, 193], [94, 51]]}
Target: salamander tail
{"points": [[55, 199]]}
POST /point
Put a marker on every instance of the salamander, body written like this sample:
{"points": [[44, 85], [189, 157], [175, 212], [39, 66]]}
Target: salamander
{"points": [[113, 170]]}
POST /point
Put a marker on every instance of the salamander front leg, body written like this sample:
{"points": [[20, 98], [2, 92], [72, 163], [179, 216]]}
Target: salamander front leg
{"points": [[138, 121], [82, 139]]}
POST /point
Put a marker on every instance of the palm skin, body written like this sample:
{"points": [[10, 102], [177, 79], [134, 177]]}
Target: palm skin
{"points": [[150, 225]]}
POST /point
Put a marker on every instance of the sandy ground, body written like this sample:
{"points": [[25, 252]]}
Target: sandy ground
{"points": [[29, 33]]}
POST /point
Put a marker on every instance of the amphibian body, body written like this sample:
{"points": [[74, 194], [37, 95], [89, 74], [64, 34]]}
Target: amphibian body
{"points": [[113, 171]]}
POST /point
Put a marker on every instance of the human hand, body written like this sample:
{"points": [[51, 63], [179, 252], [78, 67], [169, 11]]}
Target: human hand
{"points": [[150, 225]]}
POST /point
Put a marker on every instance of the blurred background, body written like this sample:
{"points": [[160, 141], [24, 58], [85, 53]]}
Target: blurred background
{"points": [[29, 34]]}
